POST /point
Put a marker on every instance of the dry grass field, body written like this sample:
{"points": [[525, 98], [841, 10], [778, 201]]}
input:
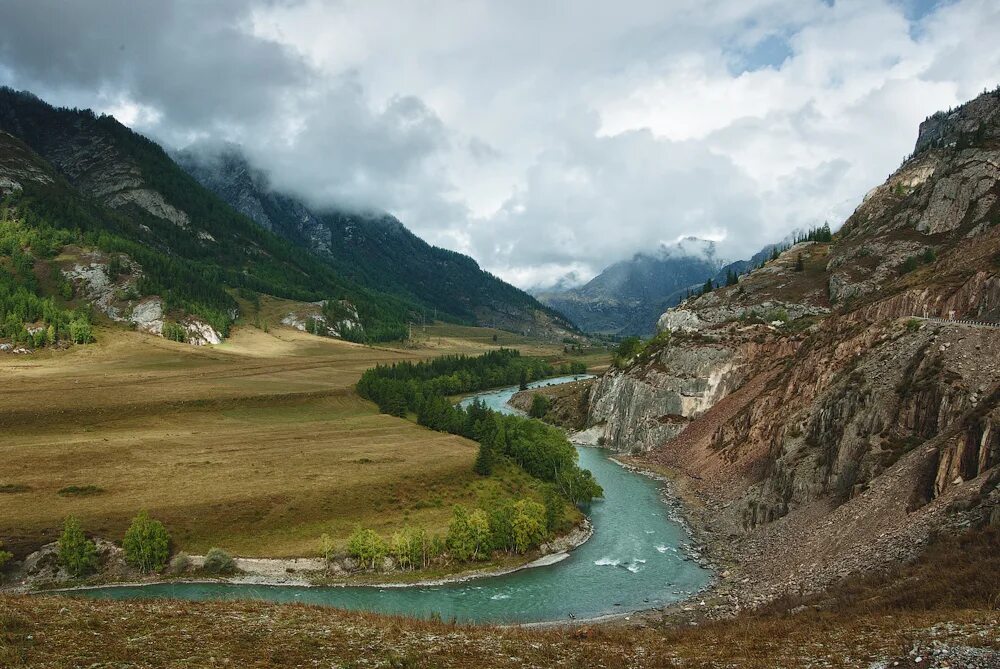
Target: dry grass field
{"points": [[258, 445]]}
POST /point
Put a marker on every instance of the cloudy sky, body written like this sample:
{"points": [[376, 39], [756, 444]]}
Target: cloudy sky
{"points": [[541, 138]]}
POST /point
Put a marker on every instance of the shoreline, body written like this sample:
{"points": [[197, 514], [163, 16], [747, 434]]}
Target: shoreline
{"points": [[563, 546], [285, 572]]}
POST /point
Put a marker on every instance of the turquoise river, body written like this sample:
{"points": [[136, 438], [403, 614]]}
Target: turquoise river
{"points": [[634, 560]]}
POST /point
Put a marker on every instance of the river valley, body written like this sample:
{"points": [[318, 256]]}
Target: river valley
{"points": [[635, 560]]}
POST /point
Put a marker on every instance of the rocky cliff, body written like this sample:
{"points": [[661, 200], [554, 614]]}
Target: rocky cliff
{"points": [[829, 412]]}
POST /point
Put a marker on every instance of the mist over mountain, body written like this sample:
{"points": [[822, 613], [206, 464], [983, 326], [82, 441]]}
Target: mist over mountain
{"points": [[628, 297]]}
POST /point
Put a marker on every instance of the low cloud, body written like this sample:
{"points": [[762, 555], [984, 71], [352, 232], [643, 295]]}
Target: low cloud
{"points": [[545, 139]]}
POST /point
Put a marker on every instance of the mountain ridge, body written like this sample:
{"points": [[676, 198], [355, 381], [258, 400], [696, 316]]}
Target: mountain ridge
{"points": [[373, 248]]}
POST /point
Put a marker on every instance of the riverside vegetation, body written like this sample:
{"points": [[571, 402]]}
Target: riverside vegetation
{"points": [[500, 524]]}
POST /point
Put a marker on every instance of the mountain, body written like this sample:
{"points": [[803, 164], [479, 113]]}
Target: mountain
{"points": [[839, 406], [373, 249], [98, 218], [628, 297]]}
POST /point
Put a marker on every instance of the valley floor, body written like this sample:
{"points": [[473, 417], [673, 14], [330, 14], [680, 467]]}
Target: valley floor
{"points": [[259, 445]]}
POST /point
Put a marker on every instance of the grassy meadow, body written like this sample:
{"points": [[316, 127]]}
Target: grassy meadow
{"points": [[258, 445]]}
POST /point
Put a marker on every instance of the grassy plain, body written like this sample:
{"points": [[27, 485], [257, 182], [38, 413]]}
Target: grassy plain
{"points": [[258, 445]]}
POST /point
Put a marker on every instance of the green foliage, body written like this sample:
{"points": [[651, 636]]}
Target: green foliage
{"points": [[367, 547], [776, 315], [191, 274], [539, 406], [179, 563], [80, 490], [146, 543], [21, 303], [484, 459], [819, 234], [218, 561], [912, 325], [174, 331], [76, 553], [528, 524], [707, 288], [327, 549], [468, 534], [926, 257], [5, 557], [732, 278], [628, 348]]}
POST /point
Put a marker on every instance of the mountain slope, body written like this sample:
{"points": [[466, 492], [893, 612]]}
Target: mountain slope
{"points": [[827, 412], [375, 250], [118, 193], [628, 297]]}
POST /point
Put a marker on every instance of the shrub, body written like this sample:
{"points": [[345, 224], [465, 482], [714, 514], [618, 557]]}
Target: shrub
{"points": [[327, 549], [912, 325], [180, 563], [174, 332], [5, 557], [146, 543], [539, 406], [80, 490], [80, 331], [367, 547], [76, 553], [218, 561], [528, 524]]}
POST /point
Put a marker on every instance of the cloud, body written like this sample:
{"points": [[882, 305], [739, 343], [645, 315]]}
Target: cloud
{"points": [[542, 138]]}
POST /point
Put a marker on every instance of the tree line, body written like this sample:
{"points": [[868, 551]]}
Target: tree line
{"points": [[423, 388], [27, 317], [506, 526]]}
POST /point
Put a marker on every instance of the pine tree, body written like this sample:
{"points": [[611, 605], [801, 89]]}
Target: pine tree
{"points": [[707, 288], [484, 460]]}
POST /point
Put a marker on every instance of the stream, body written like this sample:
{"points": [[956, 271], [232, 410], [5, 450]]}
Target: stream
{"points": [[635, 560]]}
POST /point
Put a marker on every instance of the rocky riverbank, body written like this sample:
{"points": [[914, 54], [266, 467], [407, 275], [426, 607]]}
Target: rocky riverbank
{"points": [[41, 569]]}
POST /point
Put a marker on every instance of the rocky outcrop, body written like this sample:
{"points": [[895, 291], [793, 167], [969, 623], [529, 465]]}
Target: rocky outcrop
{"points": [[312, 319], [117, 297], [824, 423]]}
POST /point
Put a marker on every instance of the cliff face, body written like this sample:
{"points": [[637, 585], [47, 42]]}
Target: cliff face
{"points": [[818, 413]]}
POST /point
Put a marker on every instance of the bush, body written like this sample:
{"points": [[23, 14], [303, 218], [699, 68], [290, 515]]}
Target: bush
{"points": [[180, 563], [539, 406], [367, 547], [174, 332], [627, 349], [80, 331], [146, 543], [76, 553], [80, 490], [218, 561], [327, 549], [5, 557]]}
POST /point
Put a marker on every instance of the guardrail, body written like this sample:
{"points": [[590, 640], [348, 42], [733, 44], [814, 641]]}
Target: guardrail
{"points": [[958, 321]]}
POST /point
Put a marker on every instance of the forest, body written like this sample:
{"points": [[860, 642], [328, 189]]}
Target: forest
{"points": [[424, 388], [194, 267]]}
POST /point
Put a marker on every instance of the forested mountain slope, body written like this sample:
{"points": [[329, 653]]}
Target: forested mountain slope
{"points": [[827, 410], [374, 249], [117, 198]]}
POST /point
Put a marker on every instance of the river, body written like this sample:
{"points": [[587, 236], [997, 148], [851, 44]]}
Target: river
{"points": [[634, 561]]}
